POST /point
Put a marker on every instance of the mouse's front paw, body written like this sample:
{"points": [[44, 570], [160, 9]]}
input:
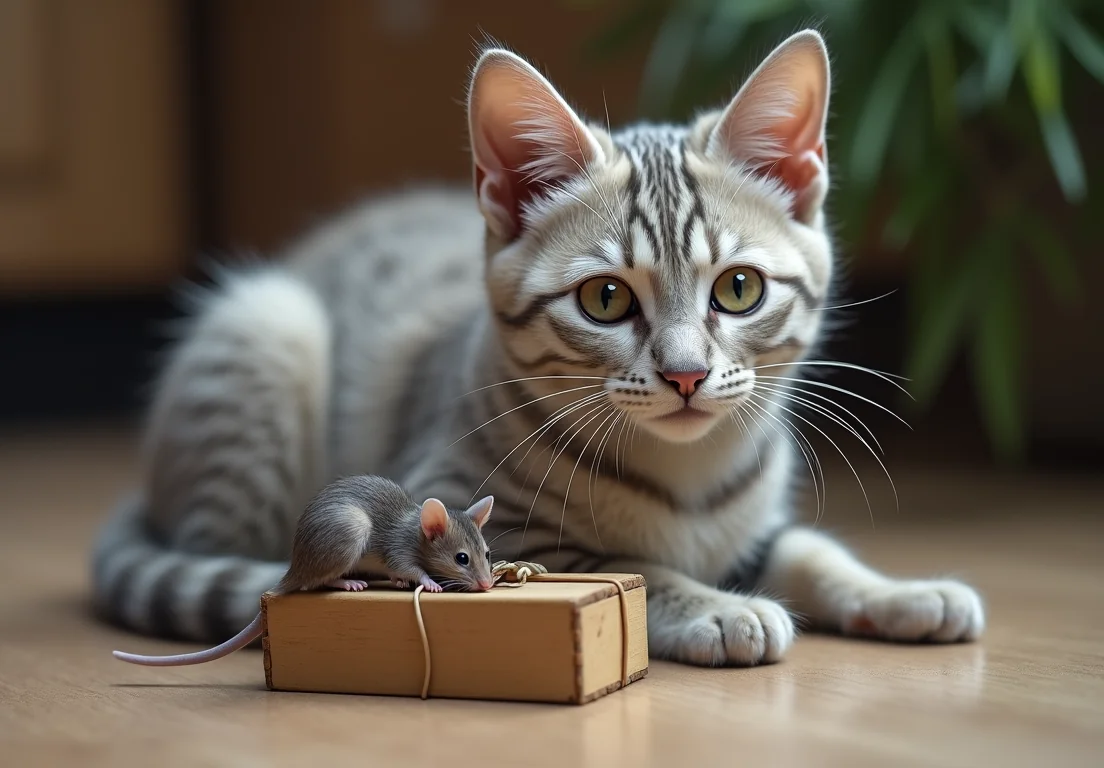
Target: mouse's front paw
{"points": [[912, 611], [430, 585]]}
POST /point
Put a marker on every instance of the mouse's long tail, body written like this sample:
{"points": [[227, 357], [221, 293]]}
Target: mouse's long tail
{"points": [[146, 587], [237, 642]]}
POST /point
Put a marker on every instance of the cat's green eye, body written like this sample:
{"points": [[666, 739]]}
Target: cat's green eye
{"points": [[738, 291], [606, 299]]}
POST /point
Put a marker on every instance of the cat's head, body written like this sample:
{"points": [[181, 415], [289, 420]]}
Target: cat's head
{"points": [[664, 261]]}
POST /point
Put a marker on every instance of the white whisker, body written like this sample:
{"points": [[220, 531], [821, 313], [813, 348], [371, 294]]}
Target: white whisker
{"points": [[549, 422], [519, 407], [781, 391], [593, 414], [534, 378], [810, 457], [849, 428], [852, 304], [597, 463], [571, 477], [830, 364], [834, 388], [835, 445]]}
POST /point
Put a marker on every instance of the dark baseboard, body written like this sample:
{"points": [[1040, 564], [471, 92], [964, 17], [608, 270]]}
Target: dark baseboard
{"points": [[76, 359]]}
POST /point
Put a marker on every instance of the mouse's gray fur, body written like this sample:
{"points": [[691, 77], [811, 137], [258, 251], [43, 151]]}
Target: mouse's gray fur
{"points": [[369, 515]]}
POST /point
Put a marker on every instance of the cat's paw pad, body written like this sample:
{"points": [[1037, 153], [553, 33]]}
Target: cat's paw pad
{"points": [[734, 630], [915, 611]]}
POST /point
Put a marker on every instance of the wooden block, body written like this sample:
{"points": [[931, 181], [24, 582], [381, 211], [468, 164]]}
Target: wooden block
{"points": [[545, 641]]}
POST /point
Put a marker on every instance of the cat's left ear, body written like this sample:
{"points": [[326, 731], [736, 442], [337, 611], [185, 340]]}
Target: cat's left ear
{"points": [[776, 122], [480, 512], [524, 138]]}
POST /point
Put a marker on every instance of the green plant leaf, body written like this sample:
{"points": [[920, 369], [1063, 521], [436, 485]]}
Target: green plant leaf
{"points": [[921, 196], [1040, 66], [622, 32], [730, 19], [945, 302], [880, 110], [1086, 47], [997, 367], [1044, 83], [1000, 65], [941, 67], [1065, 157], [670, 56], [978, 24], [993, 37], [1054, 258]]}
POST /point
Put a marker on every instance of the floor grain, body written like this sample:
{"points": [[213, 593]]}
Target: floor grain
{"points": [[1031, 693]]}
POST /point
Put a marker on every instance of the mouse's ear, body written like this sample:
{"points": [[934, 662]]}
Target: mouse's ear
{"points": [[434, 519], [480, 512]]}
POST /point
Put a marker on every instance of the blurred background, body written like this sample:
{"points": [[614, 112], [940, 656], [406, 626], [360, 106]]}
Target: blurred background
{"points": [[138, 137]]}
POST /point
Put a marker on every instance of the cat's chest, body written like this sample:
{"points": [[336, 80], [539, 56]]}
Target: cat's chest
{"points": [[703, 540]]}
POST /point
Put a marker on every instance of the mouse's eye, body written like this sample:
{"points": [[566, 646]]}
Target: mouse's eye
{"points": [[462, 558], [488, 555]]}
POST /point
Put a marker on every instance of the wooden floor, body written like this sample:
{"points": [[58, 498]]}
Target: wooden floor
{"points": [[1031, 693]]}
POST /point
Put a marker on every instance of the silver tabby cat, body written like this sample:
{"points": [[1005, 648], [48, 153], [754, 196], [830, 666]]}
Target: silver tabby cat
{"points": [[596, 340]]}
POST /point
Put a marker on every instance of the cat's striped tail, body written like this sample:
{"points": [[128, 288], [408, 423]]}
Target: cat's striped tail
{"points": [[143, 586]]}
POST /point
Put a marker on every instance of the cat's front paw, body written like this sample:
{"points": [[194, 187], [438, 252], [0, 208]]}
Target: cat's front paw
{"points": [[726, 630], [916, 611]]}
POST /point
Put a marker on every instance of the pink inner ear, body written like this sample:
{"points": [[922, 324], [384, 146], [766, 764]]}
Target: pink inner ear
{"points": [[524, 137], [434, 518], [776, 122], [481, 511]]}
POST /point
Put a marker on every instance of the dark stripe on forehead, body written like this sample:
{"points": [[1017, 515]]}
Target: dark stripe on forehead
{"points": [[636, 216], [663, 187], [697, 209], [665, 196], [714, 243]]}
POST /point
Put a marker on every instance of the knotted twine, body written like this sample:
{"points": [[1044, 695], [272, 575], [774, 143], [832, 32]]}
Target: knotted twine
{"points": [[516, 574]]}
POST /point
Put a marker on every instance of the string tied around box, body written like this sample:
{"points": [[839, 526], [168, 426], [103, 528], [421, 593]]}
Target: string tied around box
{"points": [[518, 574]]}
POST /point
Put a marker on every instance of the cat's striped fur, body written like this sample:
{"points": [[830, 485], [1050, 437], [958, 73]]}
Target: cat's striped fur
{"points": [[389, 342]]}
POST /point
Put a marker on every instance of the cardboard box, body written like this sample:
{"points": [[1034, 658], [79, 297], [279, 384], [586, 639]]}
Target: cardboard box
{"points": [[545, 641]]}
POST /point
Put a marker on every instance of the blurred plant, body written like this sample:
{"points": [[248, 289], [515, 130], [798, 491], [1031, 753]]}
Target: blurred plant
{"points": [[950, 138]]}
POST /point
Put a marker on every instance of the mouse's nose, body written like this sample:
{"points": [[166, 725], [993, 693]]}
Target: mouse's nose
{"points": [[685, 382], [485, 583]]}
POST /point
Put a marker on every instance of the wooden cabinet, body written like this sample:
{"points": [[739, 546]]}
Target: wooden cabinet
{"points": [[319, 103], [93, 136]]}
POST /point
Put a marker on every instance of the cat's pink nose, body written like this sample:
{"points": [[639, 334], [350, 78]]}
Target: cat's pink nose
{"points": [[686, 382]]}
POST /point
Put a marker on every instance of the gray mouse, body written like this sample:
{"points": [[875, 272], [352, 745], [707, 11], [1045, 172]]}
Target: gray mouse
{"points": [[369, 524]]}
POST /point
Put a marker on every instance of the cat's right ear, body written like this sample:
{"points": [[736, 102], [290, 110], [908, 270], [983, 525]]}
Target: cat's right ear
{"points": [[524, 138]]}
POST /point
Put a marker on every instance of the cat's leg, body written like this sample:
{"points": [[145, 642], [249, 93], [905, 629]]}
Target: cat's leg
{"points": [[823, 582], [694, 623]]}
